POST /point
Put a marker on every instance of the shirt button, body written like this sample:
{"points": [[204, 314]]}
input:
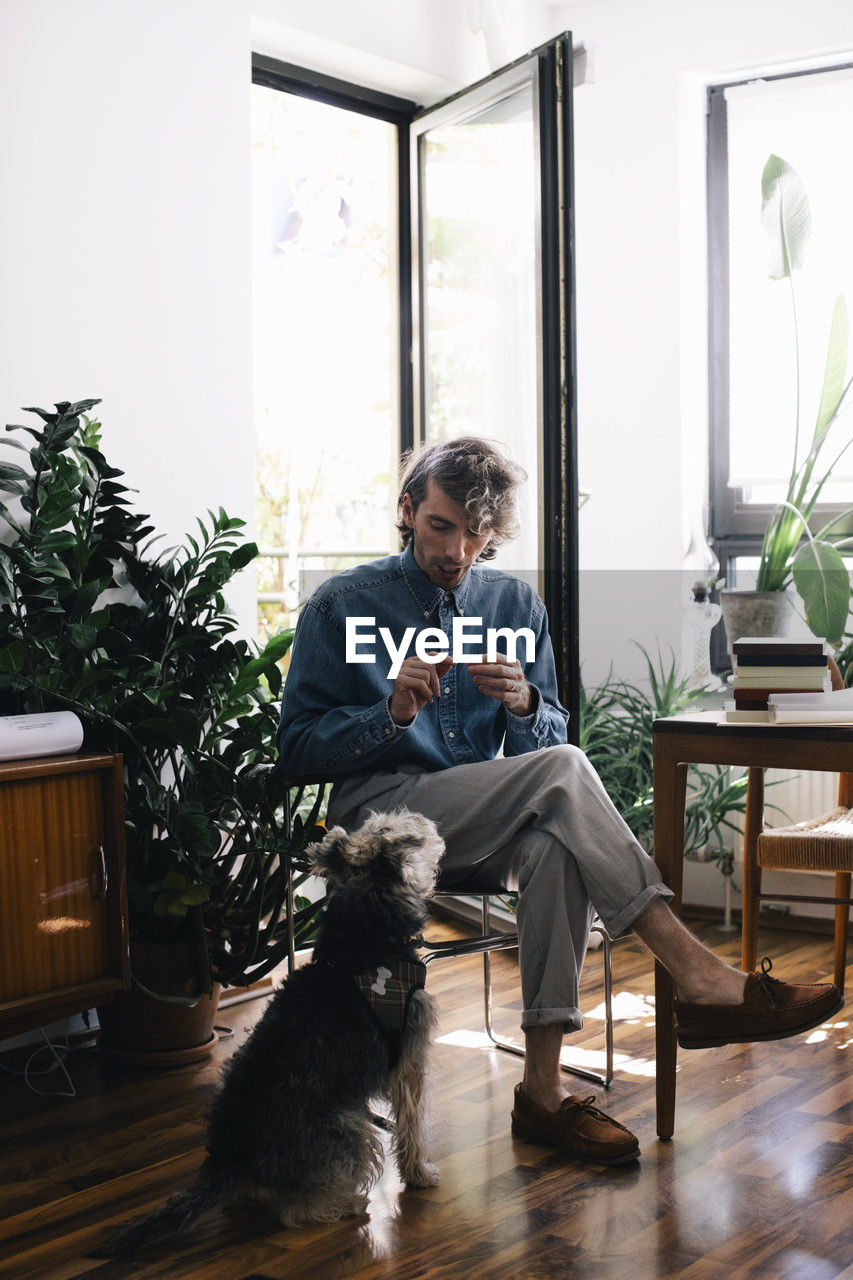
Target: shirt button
{"points": [[358, 751], [451, 734], [447, 688], [447, 599], [387, 730], [426, 613]]}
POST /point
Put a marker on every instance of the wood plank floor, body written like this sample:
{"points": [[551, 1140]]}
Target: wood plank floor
{"points": [[757, 1182]]}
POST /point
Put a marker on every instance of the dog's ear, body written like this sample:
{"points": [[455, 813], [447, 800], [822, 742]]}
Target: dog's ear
{"points": [[328, 857]]}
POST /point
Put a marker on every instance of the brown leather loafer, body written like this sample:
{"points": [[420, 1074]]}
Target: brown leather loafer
{"points": [[579, 1128], [771, 1010]]}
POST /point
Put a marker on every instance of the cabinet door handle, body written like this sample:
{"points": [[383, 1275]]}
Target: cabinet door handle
{"points": [[103, 875]]}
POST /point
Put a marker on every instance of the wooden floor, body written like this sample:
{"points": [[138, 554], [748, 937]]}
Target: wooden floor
{"points": [[757, 1182]]}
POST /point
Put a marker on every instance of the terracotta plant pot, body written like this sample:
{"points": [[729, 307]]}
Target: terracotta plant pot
{"points": [[137, 1028]]}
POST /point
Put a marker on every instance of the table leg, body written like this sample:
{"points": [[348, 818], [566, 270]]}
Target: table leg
{"points": [[753, 825], [670, 788], [842, 915]]}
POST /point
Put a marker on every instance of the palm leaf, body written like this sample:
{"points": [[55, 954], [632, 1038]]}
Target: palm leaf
{"points": [[835, 370], [786, 215]]}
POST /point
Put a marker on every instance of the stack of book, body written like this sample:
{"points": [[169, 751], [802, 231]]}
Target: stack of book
{"points": [[767, 665]]}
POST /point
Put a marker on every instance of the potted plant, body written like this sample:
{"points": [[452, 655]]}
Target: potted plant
{"points": [[791, 552], [616, 719], [142, 647]]}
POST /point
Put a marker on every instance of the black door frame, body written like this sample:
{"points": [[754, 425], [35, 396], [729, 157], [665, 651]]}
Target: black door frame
{"points": [[551, 64]]}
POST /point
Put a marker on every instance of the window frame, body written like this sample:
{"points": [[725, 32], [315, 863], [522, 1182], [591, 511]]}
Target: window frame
{"points": [[554, 70], [736, 528]]}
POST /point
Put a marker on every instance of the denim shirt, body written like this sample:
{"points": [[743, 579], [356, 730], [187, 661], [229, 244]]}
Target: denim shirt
{"points": [[334, 716]]}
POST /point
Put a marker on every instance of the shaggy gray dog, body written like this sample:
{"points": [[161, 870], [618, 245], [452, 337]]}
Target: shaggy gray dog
{"points": [[290, 1124]]}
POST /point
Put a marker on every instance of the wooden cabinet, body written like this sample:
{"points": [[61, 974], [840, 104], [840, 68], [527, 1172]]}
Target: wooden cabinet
{"points": [[63, 898]]}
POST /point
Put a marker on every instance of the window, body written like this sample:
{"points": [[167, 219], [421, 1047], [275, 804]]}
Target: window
{"points": [[326, 331], [754, 331], [479, 179]]}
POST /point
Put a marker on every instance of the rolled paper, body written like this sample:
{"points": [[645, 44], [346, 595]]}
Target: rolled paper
{"points": [[48, 733]]}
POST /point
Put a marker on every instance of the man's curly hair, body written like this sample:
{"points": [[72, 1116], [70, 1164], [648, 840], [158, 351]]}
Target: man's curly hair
{"points": [[475, 474]]}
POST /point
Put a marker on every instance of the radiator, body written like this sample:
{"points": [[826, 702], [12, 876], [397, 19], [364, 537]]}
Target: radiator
{"points": [[800, 796]]}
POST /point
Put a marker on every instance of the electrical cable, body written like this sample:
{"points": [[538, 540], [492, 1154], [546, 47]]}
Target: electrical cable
{"points": [[60, 1053]]}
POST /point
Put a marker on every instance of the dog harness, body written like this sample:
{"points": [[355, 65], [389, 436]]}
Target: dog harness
{"points": [[388, 991]]}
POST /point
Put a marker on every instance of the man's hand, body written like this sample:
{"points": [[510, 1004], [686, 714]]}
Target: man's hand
{"points": [[417, 684], [503, 680]]}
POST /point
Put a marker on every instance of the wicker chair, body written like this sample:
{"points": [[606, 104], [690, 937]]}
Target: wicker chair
{"points": [[821, 844]]}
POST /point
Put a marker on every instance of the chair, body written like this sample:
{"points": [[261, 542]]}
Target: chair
{"points": [[483, 944], [822, 844]]}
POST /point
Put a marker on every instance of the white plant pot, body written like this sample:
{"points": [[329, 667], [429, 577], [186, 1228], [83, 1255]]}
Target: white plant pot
{"points": [[756, 613]]}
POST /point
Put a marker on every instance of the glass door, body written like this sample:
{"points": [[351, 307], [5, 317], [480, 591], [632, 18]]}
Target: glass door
{"points": [[330, 233], [494, 306]]}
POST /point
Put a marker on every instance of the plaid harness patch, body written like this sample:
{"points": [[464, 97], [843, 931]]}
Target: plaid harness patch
{"points": [[388, 991]]}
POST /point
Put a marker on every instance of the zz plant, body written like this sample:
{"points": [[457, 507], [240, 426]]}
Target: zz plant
{"points": [[142, 647]]}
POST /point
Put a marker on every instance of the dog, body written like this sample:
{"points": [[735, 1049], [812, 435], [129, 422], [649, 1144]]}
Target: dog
{"points": [[290, 1124]]}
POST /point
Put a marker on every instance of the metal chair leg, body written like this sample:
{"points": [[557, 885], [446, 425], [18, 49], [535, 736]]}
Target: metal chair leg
{"points": [[498, 1041], [288, 891], [508, 1047], [489, 942], [607, 954]]}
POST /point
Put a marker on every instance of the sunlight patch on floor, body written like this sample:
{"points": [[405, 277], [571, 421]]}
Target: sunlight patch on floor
{"points": [[575, 1055], [466, 1040], [821, 1033], [628, 1006]]}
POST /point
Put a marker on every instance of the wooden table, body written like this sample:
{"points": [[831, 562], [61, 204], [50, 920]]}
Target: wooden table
{"points": [[680, 741]]}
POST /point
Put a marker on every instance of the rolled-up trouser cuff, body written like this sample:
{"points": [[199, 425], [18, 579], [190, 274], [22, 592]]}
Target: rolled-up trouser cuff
{"points": [[622, 922], [570, 1018]]}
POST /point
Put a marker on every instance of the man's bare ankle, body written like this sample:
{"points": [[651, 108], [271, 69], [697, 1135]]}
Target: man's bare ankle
{"points": [[549, 1098], [727, 989]]}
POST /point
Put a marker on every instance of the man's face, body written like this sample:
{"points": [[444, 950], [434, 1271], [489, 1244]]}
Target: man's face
{"points": [[444, 546]]}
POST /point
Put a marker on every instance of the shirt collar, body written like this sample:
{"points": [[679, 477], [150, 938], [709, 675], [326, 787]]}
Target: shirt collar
{"points": [[427, 593]]}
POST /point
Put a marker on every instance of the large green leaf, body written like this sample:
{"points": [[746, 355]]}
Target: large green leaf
{"points": [[835, 371], [823, 582], [277, 646], [12, 477], [786, 216], [13, 656]]}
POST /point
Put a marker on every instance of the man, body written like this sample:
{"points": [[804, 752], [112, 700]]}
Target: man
{"points": [[424, 731]]}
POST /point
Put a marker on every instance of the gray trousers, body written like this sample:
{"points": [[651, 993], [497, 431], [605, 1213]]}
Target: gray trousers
{"points": [[540, 824]]}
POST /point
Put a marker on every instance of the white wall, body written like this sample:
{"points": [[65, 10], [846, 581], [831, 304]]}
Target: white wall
{"points": [[124, 254]]}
